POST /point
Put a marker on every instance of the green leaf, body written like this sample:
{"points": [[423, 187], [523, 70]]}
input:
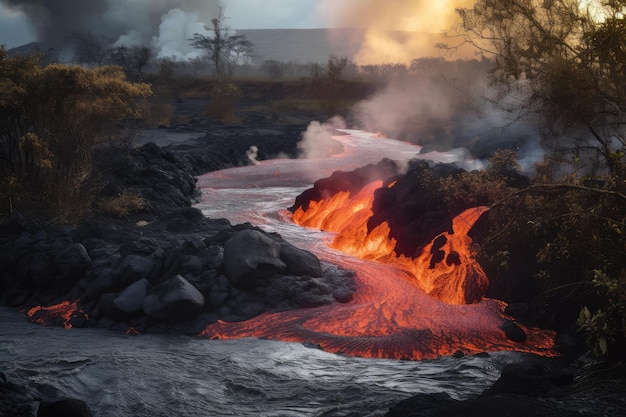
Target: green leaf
{"points": [[585, 314], [602, 345]]}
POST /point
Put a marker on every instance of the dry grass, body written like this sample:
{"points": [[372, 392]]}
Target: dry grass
{"points": [[123, 205]]}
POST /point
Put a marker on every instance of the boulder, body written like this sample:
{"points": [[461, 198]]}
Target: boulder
{"points": [[131, 299], [135, 267], [174, 300], [250, 255], [300, 261], [513, 331], [73, 261]]}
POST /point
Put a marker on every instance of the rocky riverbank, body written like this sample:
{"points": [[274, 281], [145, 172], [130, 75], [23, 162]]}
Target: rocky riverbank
{"points": [[164, 267]]}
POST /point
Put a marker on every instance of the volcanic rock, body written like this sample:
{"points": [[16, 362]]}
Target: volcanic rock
{"points": [[135, 267], [131, 299], [300, 261], [73, 261], [173, 301], [352, 181], [524, 389], [513, 331], [250, 255], [67, 407]]}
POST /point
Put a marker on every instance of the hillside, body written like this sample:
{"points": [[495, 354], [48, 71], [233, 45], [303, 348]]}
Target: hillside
{"points": [[315, 45]]}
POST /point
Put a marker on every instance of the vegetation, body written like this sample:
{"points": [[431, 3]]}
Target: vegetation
{"points": [[566, 65], [566, 60], [221, 48], [50, 119], [124, 204]]}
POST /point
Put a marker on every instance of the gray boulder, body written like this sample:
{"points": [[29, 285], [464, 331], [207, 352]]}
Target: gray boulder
{"points": [[73, 261], [250, 255], [131, 299], [135, 267], [173, 301], [300, 261]]}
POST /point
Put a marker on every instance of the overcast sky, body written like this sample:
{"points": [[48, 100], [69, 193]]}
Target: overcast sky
{"points": [[243, 14]]}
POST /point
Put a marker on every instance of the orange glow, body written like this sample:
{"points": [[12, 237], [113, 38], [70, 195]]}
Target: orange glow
{"points": [[47, 316], [132, 331], [403, 308], [455, 279]]}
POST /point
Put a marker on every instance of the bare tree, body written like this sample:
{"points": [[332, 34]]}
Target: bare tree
{"points": [[220, 47], [90, 49], [131, 58]]}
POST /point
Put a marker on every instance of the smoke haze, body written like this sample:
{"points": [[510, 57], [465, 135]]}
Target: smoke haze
{"points": [[317, 141], [395, 31], [163, 24]]}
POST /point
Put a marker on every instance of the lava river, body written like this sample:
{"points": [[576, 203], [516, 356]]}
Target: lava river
{"points": [[400, 309]]}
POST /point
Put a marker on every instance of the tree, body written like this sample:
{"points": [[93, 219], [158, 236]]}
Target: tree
{"points": [[89, 49], [328, 83], [222, 48], [131, 58], [51, 118], [568, 60]]}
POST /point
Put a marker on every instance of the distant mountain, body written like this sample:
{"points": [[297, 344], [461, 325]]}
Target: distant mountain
{"points": [[302, 45], [316, 45]]}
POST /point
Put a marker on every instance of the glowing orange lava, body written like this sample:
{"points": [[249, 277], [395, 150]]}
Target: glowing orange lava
{"points": [[49, 315], [403, 308], [445, 269]]}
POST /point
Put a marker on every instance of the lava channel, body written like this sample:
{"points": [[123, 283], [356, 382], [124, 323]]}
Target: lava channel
{"points": [[392, 314], [58, 314]]}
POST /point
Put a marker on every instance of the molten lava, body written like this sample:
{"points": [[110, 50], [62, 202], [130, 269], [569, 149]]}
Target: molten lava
{"points": [[403, 308], [53, 315], [445, 269]]}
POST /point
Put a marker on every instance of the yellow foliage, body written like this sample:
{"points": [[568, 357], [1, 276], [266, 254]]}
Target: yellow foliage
{"points": [[52, 117]]}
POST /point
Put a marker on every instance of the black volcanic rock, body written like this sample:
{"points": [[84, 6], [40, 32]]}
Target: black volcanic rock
{"points": [[250, 255], [351, 181], [531, 388], [414, 213], [132, 268], [113, 264], [67, 407], [173, 301]]}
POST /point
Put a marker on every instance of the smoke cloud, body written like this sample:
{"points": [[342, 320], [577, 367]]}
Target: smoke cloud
{"points": [[317, 141], [439, 116], [394, 31], [126, 22]]}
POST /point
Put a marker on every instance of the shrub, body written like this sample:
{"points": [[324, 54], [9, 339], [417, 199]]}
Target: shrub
{"points": [[50, 120], [123, 205]]}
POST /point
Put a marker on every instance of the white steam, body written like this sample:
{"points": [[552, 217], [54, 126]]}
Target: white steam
{"points": [[433, 114], [404, 103], [176, 28], [252, 153], [317, 141]]}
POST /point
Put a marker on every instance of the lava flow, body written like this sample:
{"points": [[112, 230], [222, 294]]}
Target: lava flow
{"points": [[61, 313], [403, 308]]}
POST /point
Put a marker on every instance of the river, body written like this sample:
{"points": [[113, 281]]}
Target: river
{"points": [[168, 375]]}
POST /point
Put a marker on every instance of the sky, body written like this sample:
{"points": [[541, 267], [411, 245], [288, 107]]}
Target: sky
{"points": [[166, 25], [15, 30]]}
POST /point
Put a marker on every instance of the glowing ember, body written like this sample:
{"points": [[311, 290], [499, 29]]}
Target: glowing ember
{"points": [[397, 311], [61, 313]]}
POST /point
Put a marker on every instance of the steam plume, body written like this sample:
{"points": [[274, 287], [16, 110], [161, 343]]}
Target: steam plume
{"points": [[317, 141], [394, 31], [121, 21]]}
